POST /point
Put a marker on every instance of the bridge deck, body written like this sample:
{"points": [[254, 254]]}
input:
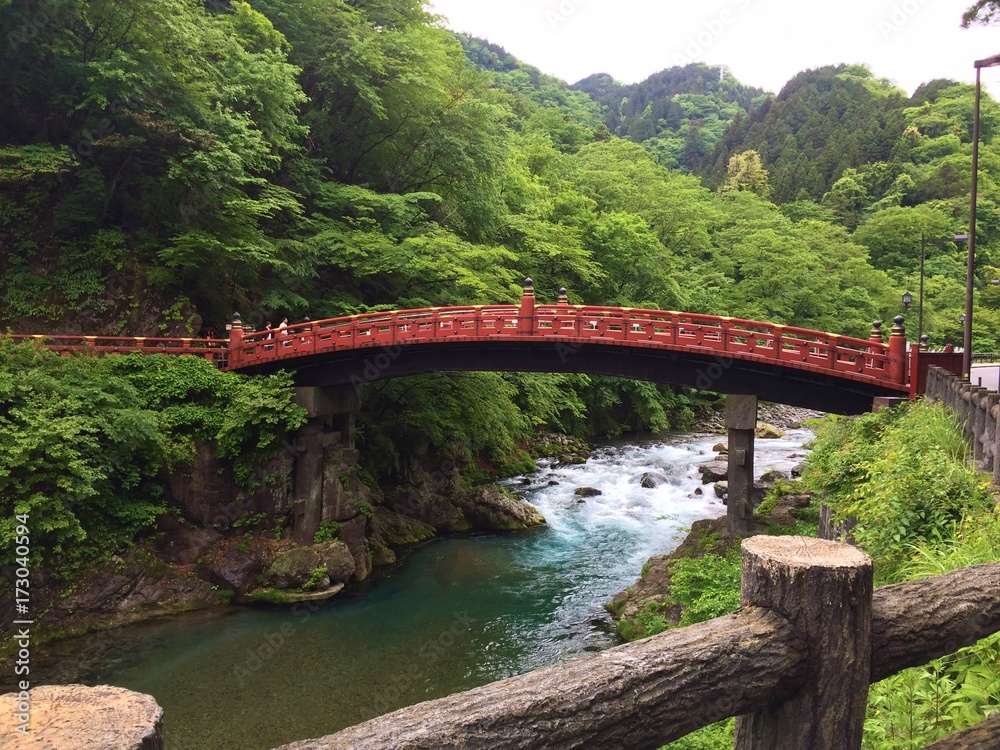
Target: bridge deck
{"points": [[773, 361], [795, 348]]}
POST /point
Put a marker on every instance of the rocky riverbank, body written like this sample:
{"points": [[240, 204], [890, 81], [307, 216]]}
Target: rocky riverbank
{"points": [[223, 545], [789, 507]]}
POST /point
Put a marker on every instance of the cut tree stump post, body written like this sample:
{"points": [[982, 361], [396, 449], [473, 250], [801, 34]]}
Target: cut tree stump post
{"points": [[824, 589], [76, 717]]}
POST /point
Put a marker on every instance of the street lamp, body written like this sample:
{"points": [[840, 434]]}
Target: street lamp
{"points": [[907, 301], [970, 271]]}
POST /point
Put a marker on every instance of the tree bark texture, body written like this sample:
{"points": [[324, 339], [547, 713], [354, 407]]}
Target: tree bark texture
{"points": [[640, 695], [919, 621], [983, 736], [825, 590]]}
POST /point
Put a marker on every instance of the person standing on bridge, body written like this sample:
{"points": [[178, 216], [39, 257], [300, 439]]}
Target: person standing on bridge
{"points": [[282, 326]]}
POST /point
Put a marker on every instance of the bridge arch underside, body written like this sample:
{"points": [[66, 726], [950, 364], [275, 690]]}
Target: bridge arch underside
{"points": [[784, 383]]}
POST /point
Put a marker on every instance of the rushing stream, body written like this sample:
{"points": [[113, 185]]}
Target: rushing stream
{"points": [[453, 614]]}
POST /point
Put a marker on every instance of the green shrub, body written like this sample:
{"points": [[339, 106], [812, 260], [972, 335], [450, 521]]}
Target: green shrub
{"points": [[649, 621], [314, 578], [327, 530], [902, 475], [84, 441], [706, 587], [720, 736]]}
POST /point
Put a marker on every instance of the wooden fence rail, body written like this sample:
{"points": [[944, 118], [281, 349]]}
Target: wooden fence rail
{"points": [[794, 665]]}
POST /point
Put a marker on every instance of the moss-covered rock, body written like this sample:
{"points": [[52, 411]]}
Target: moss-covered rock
{"points": [[396, 529], [338, 561], [494, 509], [292, 568], [767, 431]]}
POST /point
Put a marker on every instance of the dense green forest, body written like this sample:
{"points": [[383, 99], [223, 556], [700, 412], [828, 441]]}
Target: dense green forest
{"points": [[164, 164]]}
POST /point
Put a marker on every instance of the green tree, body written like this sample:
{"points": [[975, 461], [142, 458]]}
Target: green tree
{"points": [[745, 172]]}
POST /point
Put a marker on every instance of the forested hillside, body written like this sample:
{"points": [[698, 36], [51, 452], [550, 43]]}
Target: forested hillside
{"points": [[164, 164], [679, 114]]}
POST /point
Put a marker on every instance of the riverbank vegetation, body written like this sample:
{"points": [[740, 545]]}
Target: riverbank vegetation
{"points": [[85, 443], [903, 478]]}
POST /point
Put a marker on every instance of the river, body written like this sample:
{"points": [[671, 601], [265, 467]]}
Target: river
{"points": [[452, 614]]}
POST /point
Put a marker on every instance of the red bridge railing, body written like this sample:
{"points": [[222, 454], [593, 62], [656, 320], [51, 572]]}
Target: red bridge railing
{"points": [[214, 350], [870, 360]]}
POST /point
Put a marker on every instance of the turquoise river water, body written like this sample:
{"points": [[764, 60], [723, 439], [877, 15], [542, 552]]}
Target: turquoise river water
{"points": [[451, 615]]}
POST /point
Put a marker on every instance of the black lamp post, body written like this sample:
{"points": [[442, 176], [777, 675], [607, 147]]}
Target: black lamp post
{"points": [[907, 301], [970, 271]]}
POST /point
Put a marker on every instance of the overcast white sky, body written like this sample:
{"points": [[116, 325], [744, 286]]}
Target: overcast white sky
{"points": [[763, 42]]}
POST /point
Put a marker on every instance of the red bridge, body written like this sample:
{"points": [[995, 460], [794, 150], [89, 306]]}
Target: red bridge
{"points": [[727, 355]]}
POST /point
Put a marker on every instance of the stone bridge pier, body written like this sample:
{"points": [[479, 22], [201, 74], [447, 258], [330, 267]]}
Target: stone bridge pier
{"points": [[324, 449], [741, 423]]}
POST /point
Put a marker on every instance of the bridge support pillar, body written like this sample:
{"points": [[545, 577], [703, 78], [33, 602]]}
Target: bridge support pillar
{"points": [[330, 429], [741, 422]]}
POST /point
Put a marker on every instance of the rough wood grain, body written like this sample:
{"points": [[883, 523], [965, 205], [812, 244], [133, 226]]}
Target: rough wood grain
{"points": [[983, 736], [77, 717], [918, 621], [640, 695], [825, 590]]}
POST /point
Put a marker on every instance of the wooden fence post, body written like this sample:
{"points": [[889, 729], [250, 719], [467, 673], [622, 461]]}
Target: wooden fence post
{"points": [[825, 590]]}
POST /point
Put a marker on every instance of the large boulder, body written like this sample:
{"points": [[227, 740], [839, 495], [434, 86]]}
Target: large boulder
{"points": [[396, 529], [338, 561], [767, 431], [382, 553], [587, 492], [353, 535], [773, 476], [492, 509], [714, 471], [427, 497], [233, 565], [653, 479], [292, 568]]}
